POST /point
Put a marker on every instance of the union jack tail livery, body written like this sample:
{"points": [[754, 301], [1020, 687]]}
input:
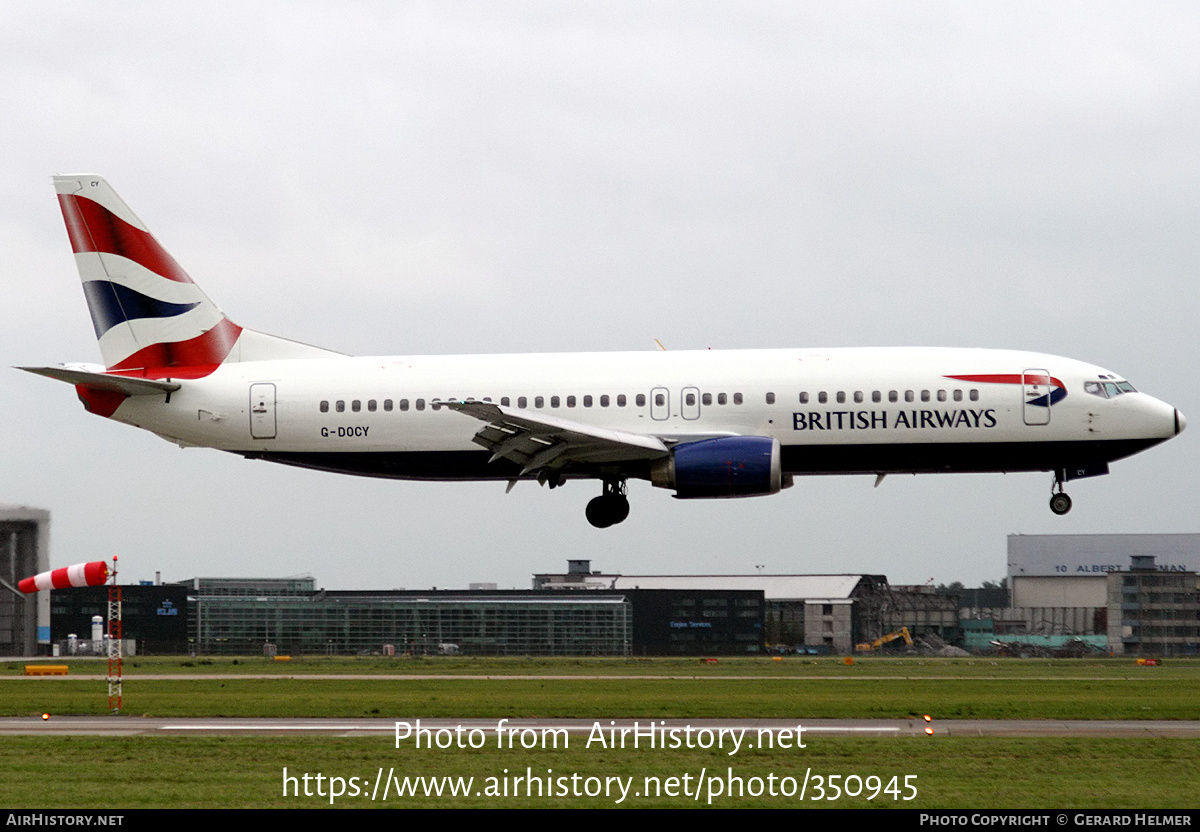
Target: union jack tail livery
{"points": [[148, 315], [150, 318]]}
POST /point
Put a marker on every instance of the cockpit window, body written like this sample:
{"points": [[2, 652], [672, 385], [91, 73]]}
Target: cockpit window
{"points": [[1108, 389]]}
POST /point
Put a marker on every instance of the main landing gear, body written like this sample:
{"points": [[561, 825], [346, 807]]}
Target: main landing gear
{"points": [[1060, 503], [611, 507]]}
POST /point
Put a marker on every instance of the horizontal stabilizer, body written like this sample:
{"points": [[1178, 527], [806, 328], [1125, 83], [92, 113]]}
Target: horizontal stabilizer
{"points": [[105, 381]]}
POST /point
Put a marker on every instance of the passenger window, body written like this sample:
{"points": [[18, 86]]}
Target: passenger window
{"points": [[924, 395], [640, 400], [958, 395], [604, 400], [893, 396], [555, 401], [620, 400], [325, 406], [804, 398], [522, 402], [822, 397], [770, 398], [737, 398], [974, 395], [570, 401], [909, 396], [504, 401], [941, 395], [420, 404], [387, 405], [706, 399], [722, 398], [404, 404], [587, 401], [340, 406], [659, 400], [876, 396], [371, 405], [539, 401], [356, 405], [841, 397], [690, 399], [858, 397]]}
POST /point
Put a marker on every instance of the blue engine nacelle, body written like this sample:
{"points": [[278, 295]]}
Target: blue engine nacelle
{"points": [[729, 466]]}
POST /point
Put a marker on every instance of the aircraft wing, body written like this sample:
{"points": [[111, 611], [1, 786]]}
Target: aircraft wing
{"points": [[105, 381], [538, 441]]}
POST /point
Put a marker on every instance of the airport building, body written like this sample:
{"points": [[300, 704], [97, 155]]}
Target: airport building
{"points": [[806, 613], [250, 616], [24, 551], [1153, 612], [153, 619], [1062, 591]]}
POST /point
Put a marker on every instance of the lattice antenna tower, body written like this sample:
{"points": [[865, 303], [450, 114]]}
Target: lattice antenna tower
{"points": [[115, 643]]}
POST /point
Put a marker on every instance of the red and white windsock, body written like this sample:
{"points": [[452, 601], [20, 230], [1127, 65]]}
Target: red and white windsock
{"points": [[81, 574]]}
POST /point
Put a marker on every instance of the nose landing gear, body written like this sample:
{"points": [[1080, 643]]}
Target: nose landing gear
{"points": [[1060, 503], [611, 507]]}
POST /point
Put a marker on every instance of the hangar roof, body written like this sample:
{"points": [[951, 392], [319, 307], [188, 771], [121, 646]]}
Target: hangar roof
{"points": [[774, 587]]}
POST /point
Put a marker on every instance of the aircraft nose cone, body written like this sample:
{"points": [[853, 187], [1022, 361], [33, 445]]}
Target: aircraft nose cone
{"points": [[1180, 422]]}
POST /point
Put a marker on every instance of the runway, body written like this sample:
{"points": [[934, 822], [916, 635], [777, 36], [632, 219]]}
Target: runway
{"points": [[374, 728]]}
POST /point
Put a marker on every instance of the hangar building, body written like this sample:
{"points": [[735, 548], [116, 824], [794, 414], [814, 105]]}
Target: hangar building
{"points": [[24, 551]]}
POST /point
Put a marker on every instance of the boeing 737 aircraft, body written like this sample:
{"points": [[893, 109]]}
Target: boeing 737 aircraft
{"points": [[703, 424]]}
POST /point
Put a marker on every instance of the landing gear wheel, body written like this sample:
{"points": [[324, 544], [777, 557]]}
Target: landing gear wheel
{"points": [[609, 508], [1060, 503], [598, 513]]}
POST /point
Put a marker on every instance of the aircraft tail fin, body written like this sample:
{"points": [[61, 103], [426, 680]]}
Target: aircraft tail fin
{"points": [[150, 318]]}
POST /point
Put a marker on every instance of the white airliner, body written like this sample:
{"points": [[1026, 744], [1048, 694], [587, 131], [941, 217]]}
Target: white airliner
{"points": [[703, 424]]}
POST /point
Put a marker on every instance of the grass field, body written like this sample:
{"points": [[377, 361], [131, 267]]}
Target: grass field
{"points": [[944, 772], [660, 688]]}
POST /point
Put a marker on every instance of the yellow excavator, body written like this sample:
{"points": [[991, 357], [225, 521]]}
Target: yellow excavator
{"points": [[872, 646]]}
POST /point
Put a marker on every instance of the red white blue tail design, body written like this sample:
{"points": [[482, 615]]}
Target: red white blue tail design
{"points": [[150, 318]]}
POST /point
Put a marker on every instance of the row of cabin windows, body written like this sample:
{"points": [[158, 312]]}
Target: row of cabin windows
{"points": [[660, 400], [892, 396], [621, 400]]}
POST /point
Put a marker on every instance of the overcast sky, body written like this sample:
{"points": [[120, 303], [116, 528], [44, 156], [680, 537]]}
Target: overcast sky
{"points": [[392, 177]]}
